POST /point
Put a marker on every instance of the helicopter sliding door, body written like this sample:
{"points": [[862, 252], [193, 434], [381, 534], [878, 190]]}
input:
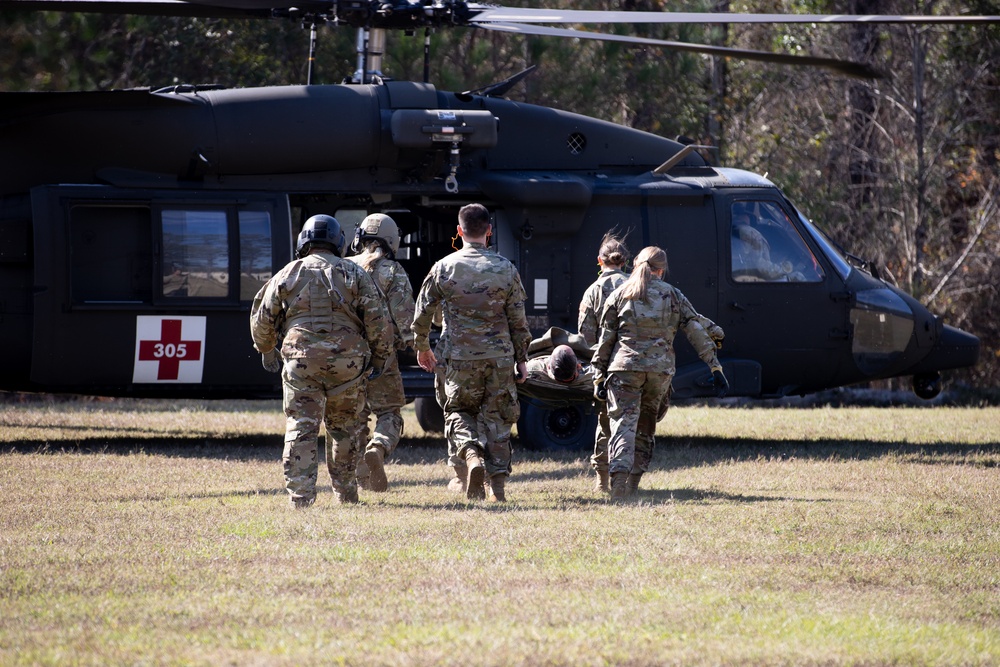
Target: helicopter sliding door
{"points": [[148, 292]]}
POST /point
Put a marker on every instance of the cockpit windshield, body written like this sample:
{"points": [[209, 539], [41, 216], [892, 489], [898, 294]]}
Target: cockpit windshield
{"points": [[840, 263], [766, 247]]}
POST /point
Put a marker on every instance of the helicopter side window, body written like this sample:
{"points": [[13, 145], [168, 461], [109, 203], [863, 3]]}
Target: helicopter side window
{"points": [[766, 247], [195, 254], [110, 254], [255, 252]]}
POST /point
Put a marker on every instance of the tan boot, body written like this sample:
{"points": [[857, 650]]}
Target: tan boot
{"points": [[602, 484], [632, 485], [619, 485], [375, 460], [346, 495], [477, 473], [457, 483], [497, 493]]}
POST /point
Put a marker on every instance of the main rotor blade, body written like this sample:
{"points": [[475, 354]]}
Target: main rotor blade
{"points": [[220, 9], [847, 67], [529, 15]]}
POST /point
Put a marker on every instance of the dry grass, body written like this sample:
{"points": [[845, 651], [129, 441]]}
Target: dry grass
{"points": [[135, 534]]}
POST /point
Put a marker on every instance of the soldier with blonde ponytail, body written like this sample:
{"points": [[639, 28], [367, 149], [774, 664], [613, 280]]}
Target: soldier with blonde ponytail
{"points": [[634, 363]]}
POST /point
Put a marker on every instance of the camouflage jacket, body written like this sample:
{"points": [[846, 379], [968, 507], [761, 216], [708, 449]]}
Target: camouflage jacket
{"points": [[538, 375], [390, 277], [482, 302], [639, 335], [318, 306], [588, 322]]}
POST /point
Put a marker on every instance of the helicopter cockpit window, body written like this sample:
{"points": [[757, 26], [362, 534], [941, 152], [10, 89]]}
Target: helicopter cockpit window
{"points": [[255, 252], [195, 254], [766, 247]]}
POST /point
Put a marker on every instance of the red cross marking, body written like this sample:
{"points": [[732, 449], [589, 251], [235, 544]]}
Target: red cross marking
{"points": [[170, 350]]}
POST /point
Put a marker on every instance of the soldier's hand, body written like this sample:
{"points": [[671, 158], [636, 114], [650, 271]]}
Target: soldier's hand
{"points": [[601, 391], [717, 335], [271, 361], [427, 360], [521, 372], [720, 382]]}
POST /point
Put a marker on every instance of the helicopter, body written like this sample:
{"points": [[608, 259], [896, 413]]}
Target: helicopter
{"points": [[131, 250]]}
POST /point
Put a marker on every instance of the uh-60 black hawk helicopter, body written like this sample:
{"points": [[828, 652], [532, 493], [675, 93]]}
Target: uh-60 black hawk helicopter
{"points": [[137, 225]]}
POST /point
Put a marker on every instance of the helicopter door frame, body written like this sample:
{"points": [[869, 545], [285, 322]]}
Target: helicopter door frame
{"points": [[806, 340]]}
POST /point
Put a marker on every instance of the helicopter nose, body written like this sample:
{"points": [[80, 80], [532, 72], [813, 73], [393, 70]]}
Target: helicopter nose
{"points": [[953, 348]]}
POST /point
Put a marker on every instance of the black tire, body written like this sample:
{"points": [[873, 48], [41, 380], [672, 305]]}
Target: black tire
{"points": [[562, 428], [430, 416]]}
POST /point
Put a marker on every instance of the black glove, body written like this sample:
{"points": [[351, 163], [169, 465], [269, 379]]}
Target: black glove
{"points": [[721, 384], [376, 371], [271, 361], [601, 391]]}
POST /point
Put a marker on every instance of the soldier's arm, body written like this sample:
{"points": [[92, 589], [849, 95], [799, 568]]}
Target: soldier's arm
{"points": [[587, 320], [426, 304], [373, 313], [265, 315], [701, 341], [517, 321], [607, 341], [402, 304]]}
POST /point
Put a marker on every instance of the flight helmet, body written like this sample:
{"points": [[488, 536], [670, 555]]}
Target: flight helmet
{"points": [[378, 227], [320, 229]]}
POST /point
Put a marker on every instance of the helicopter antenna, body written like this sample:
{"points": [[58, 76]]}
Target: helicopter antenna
{"points": [[427, 55], [312, 53]]}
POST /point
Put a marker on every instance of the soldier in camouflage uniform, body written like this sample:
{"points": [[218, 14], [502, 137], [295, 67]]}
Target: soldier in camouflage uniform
{"points": [[332, 328], [634, 363], [612, 258], [377, 241], [482, 302]]}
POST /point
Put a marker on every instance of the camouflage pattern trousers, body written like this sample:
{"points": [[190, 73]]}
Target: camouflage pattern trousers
{"points": [[599, 461], [313, 394], [634, 401], [480, 406], [385, 399]]}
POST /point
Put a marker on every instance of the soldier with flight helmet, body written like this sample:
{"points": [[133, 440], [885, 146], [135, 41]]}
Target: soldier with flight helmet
{"points": [[326, 316], [377, 242]]}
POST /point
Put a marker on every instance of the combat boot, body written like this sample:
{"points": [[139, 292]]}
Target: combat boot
{"points": [[632, 485], [602, 484], [346, 494], [375, 460], [474, 489], [301, 503], [619, 485], [457, 483], [496, 492]]}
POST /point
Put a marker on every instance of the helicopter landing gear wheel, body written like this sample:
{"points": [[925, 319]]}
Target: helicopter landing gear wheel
{"points": [[562, 428], [430, 416]]}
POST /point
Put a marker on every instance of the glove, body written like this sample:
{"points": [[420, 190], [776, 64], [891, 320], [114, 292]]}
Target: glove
{"points": [[601, 392], [271, 361], [720, 382], [376, 371]]}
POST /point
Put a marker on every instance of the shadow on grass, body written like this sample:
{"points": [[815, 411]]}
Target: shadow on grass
{"points": [[671, 452]]}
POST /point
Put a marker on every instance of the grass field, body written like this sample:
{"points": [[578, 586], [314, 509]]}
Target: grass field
{"points": [[140, 533]]}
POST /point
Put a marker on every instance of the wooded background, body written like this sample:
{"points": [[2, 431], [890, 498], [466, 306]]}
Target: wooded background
{"points": [[903, 170]]}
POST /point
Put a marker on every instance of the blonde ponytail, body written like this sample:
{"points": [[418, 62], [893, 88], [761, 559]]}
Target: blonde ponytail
{"points": [[648, 260], [371, 253]]}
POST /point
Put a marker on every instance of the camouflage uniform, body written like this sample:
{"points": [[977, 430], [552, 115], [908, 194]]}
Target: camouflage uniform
{"points": [[385, 393], [482, 302], [588, 324], [330, 322], [538, 374], [635, 356]]}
